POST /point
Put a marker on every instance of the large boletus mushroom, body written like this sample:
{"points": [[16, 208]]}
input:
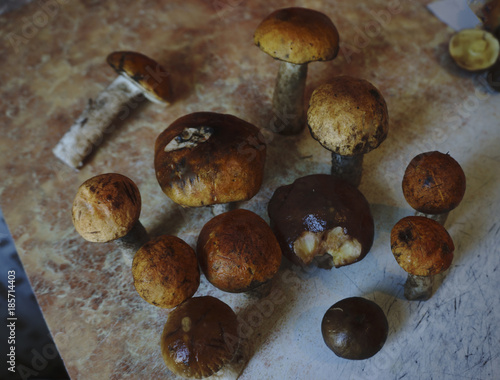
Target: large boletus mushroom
{"points": [[348, 116], [208, 158], [238, 251], [321, 219], [355, 328], [200, 337], [295, 37]]}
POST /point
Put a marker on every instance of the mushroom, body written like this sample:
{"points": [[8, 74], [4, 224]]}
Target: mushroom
{"points": [[107, 207], [490, 14], [238, 251], [200, 337], [434, 184], [295, 36], [165, 271], [208, 158], [355, 328], [474, 49], [493, 77], [348, 116], [138, 75], [423, 248], [322, 220]]}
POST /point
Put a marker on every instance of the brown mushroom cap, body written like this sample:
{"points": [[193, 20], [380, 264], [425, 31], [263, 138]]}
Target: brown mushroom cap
{"points": [[144, 72], [208, 158], [238, 251], [421, 246], [106, 207], [165, 271], [355, 328], [200, 336], [298, 35], [433, 183], [348, 116], [320, 217]]}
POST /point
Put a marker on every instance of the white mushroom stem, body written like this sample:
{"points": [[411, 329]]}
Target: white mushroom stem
{"points": [[88, 130], [130, 243], [348, 168], [418, 287], [440, 218], [288, 99], [221, 208]]}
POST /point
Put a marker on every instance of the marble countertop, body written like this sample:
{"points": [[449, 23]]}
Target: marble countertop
{"points": [[52, 55]]}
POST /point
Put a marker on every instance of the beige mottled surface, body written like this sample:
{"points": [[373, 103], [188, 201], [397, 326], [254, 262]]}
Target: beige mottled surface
{"points": [[101, 325]]}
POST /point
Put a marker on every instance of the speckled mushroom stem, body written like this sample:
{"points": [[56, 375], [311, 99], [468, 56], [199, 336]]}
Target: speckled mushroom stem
{"points": [[440, 218], [130, 243], [348, 168], [418, 288], [288, 99], [89, 128]]}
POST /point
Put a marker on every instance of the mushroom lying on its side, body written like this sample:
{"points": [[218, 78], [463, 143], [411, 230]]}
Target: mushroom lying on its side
{"points": [[321, 219]]}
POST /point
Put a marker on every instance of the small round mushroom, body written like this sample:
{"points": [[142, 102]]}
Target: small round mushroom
{"points": [[322, 220], [200, 337], [138, 75], [295, 36], [423, 248], [208, 158], [348, 116], [434, 184], [107, 207], [355, 328], [474, 49], [165, 271], [238, 251]]}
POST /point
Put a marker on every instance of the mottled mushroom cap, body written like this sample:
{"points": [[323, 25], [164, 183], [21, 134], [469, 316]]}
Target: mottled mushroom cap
{"points": [[208, 158], [165, 271], [433, 183], [298, 35], [348, 116], [106, 207], [200, 337], [144, 72], [421, 246]]}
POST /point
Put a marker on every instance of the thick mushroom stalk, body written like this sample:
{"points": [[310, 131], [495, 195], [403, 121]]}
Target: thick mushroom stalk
{"points": [[348, 168], [138, 75], [418, 288], [288, 98], [132, 242]]}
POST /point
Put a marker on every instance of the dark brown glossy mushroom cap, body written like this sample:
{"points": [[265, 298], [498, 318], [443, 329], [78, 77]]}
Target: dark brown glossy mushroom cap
{"points": [[200, 336], [165, 271], [433, 183], [421, 246], [355, 328], [348, 116], [298, 35], [321, 218], [106, 207], [144, 72], [208, 158], [238, 251]]}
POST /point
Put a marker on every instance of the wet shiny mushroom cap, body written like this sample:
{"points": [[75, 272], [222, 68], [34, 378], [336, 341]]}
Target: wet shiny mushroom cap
{"points": [[200, 336], [238, 251], [433, 183], [321, 219], [421, 246], [165, 271], [298, 35], [106, 207], [348, 116], [355, 328], [144, 72], [207, 158]]}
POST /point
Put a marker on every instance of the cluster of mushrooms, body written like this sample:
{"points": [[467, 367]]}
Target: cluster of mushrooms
{"points": [[207, 159]]}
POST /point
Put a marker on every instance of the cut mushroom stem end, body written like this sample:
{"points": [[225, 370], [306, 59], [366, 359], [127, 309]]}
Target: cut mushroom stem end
{"points": [[347, 168], [132, 242], [288, 98], [221, 208], [418, 288], [440, 218]]}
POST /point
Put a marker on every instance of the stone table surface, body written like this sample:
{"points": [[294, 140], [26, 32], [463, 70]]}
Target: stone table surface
{"points": [[52, 55]]}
